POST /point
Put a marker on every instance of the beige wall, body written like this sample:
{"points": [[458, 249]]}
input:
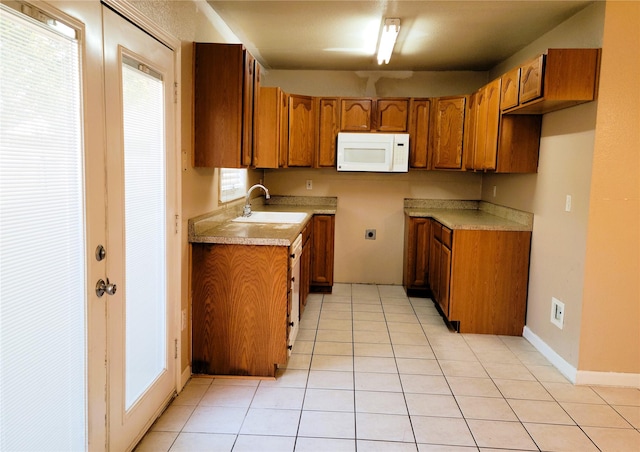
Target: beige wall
{"points": [[373, 200], [610, 338]]}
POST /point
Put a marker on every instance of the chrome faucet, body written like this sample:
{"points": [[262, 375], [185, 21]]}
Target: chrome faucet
{"points": [[246, 211]]}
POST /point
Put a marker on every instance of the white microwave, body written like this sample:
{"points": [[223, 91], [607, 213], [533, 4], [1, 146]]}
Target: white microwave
{"points": [[377, 152]]}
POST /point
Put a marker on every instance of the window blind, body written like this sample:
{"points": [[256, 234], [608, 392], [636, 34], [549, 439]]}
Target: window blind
{"points": [[233, 184], [42, 241]]}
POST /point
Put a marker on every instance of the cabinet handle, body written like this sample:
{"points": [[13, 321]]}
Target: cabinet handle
{"points": [[291, 324], [293, 279], [293, 256], [290, 347]]}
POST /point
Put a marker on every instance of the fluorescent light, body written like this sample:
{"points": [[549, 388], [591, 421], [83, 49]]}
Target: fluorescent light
{"points": [[390, 31]]}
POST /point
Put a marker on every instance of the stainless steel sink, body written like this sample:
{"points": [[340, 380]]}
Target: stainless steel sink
{"points": [[273, 217]]}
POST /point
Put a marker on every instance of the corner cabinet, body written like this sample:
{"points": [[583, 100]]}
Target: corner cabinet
{"points": [[240, 309], [477, 278], [226, 85], [323, 253]]}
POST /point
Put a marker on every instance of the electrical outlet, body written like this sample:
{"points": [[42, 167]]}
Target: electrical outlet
{"points": [[557, 312], [567, 204], [370, 234], [309, 184]]}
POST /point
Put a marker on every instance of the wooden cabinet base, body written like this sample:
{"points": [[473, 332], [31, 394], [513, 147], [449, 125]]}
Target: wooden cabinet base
{"points": [[239, 309], [489, 279]]}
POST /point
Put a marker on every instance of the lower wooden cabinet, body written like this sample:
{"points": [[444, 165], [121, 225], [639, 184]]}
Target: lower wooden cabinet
{"points": [[305, 265], [240, 296], [323, 252], [478, 278], [417, 235]]}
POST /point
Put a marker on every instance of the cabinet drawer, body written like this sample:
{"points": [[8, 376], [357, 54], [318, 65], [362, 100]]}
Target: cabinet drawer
{"points": [[447, 235], [531, 75]]}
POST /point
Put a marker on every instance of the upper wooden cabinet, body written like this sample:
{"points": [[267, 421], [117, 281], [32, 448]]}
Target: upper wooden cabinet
{"points": [[355, 115], [374, 115], [226, 82], [328, 110], [497, 142], [391, 115], [272, 129], [447, 132], [558, 79], [302, 130], [419, 119]]}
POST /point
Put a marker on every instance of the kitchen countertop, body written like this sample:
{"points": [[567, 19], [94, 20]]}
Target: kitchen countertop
{"points": [[218, 227], [470, 215]]}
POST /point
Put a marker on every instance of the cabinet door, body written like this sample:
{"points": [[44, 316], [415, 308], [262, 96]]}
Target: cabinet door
{"points": [[419, 113], [417, 262], [448, 132], [249, 97], [329, 121], [492, 122], [301, 130], [270, 142], [470, 131], [481, 128], [323, 247], [531, 79], [510, 89], [355, 115], [392, 115]]}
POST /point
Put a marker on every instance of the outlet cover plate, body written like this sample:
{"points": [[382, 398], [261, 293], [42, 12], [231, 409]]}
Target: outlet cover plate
{"points": [[557, 312]]}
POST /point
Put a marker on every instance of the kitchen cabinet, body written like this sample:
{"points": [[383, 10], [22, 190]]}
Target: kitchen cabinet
{"points": [[477, 277], [240, 308], [497, 142], [272, 139], [389, 115], [419, 119], [355, 115], [440, 259], [488, 282], [305, 265], [328, 109], [559, 79], [302, 131], [226, 85], [447, 132], [323, 253], [417, 237]]}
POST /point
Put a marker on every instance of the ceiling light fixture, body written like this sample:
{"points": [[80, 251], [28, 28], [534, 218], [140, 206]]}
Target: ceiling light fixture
{"points": [[390, 30]]}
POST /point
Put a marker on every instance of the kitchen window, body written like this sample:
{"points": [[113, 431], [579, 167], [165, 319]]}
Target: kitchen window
{"points": [[233, 184]]}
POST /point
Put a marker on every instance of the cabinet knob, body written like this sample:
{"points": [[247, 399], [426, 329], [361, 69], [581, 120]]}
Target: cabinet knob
{"points": [[291, 324], [290, 347], [293, 256]]}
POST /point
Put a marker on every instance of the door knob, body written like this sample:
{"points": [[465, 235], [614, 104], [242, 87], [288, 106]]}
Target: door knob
{"points": [[102, 288]]}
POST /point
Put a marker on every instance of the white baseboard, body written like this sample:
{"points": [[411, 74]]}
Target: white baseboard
{"points": [[626, 380], [581, 377], [558, 361]]}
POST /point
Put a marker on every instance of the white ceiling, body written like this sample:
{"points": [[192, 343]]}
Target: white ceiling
{"points": [[434, 35]]}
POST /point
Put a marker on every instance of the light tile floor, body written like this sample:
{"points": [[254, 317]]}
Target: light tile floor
{"points": [[373, 370]]}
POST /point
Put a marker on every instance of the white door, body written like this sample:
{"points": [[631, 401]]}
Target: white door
{"points": [[141, 228]]}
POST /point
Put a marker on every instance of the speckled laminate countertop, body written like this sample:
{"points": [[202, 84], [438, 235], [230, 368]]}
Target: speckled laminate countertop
{"points": [[218, 227], [472, 215]]}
